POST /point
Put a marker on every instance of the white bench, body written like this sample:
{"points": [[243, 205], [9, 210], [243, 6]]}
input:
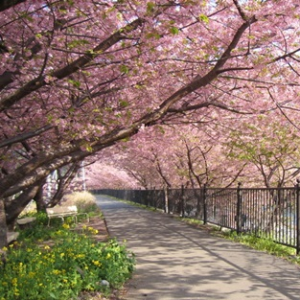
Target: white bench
{"points": [[64, 211], [25, 222]]}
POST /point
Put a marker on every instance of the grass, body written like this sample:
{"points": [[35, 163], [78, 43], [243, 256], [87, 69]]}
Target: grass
{"points": [[261, 244], [59, 263], [251, 240]]}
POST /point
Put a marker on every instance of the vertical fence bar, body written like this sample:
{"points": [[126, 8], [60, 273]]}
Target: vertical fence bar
{"points": [[182, 201], [298, 216], [166, 197], [239, 208], [205, 204]]}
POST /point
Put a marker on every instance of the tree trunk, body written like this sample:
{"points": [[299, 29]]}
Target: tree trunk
{"points": [[39, 200], [3, 226], [14, 207], [63, 182]]}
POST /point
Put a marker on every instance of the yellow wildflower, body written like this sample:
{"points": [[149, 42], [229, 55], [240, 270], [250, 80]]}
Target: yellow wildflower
{"points": [[14, 281], [16, 293], [31, 274], [97, 263], [66, 226], [56, 272]]}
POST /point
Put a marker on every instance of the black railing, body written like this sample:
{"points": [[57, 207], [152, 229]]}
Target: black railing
{"points": [[270, 213]]}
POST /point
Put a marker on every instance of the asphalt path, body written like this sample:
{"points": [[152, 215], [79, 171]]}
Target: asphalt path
{"points": [[176, 261]]}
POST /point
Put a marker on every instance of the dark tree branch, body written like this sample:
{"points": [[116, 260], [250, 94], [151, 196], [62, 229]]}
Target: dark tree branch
{"points": [[71, 68], [24, 136], [6, 4]]}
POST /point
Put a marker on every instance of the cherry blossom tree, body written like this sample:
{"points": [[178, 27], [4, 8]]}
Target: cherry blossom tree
{"points": [[270, 143], [79, 77]]}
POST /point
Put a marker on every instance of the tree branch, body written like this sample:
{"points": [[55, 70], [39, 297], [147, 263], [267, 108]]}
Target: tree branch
{"points": [[24, 136], [6, 4], [71, 68], [41, 165]]}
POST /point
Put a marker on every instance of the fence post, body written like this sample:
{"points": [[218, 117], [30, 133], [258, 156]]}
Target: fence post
{"points": [[298, 216], [182, 201], [166, 196], [238, 209], [205, 204]]}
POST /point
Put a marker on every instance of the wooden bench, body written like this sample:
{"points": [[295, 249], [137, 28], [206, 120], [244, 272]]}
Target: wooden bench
{"points": [[64, 211]]}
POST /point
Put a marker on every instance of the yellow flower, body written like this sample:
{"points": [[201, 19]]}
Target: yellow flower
{"points": [[31, 274], [97, 263], [108, 256], [4, 249], [46, 247], [66, 226], [17, 293], [14, 281]]}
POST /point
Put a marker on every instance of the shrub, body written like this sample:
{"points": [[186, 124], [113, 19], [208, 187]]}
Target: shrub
{"points": [[84, 201]]}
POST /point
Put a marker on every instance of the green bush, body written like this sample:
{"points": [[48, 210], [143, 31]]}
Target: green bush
{"points": [[73, 263]]}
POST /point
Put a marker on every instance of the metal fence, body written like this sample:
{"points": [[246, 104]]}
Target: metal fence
{"points": [[270, 213]]}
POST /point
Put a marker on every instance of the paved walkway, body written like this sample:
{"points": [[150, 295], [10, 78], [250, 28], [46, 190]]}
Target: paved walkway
{"points": [[176, 261]]}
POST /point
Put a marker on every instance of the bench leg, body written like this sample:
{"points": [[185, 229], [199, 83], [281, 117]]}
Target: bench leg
{"points": [[49, 220], [75, 219]]}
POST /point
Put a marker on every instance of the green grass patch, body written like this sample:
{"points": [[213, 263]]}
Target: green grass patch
{"points": [[261, 244]]}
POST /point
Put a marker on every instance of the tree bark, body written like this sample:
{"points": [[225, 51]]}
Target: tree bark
{"points": [[5, 4], [38, 198], [14, 207], [3, 227]]}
